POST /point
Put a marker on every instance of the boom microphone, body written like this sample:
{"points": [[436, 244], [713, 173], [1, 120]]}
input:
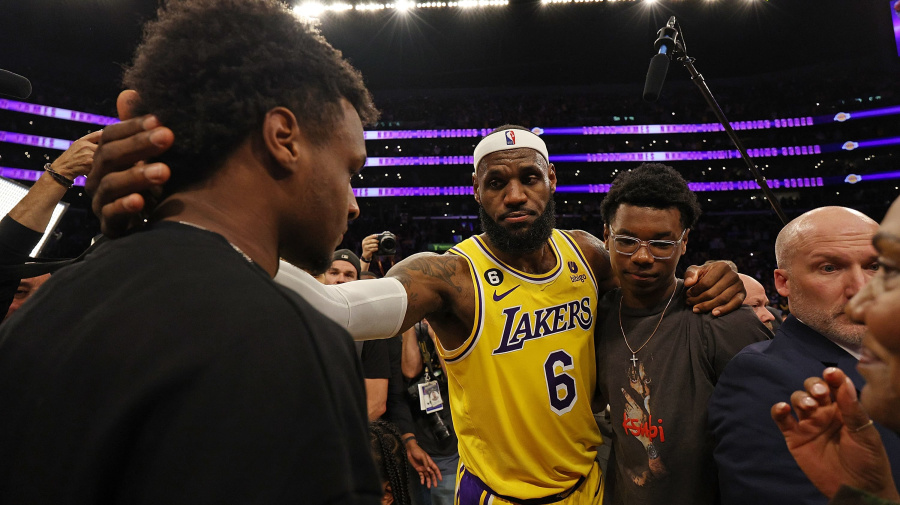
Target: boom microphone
{"points": [[14, 85], [659, 64]]}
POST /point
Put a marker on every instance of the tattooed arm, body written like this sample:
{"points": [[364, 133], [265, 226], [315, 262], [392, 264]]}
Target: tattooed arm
{"points": [[438, 287]]}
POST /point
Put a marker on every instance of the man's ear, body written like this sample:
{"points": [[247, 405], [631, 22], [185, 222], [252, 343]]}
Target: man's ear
{"points": [[782, 283], [684, 241], [551, 174], [283, 140], [475, 186], [606, 236]]}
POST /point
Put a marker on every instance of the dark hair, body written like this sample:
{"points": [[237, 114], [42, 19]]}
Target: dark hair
{"points": [[509, 127], [651, 185], [390, 459], [211, 70]]}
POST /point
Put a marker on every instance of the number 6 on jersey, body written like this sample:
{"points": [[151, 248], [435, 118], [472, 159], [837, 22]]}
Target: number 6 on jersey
{"points": [[560, 387]]}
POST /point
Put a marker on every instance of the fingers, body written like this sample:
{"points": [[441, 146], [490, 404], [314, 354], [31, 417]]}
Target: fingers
{"points": [[781, 414], [117, 201], [435, 471], [126, 143], [429, 474], [629, 400], [834, 377], [804, 404], [126, 104], [691, 275], [836, 387], [717, 301], [855, 418], [119, 216], [134, 180], [714, 287], [428, 471], [818, 390], [93, 137]]}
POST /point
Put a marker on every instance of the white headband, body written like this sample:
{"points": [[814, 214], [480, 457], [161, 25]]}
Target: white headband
{"points": [[504, 140]]}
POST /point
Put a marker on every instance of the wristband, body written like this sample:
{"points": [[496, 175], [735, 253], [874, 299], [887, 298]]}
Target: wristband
{"points": [[58, 177], [366, 260], [407, 439]]}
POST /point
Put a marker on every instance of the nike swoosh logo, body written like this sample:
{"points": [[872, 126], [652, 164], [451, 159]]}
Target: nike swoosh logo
{"points": [[497, 298]]}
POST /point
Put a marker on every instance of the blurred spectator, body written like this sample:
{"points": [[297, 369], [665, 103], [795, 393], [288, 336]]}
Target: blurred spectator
{"points": [[757, 300], [27, 287]]}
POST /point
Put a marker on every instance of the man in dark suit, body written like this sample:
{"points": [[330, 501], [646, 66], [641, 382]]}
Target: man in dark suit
{"points": [[824, 257]]}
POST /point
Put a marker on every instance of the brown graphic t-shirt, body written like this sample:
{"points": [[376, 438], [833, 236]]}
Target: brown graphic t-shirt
{"points": [[658, 395]]}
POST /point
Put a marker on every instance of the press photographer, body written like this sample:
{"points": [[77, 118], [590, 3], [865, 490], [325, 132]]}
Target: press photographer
{"points": [[378, 245]]}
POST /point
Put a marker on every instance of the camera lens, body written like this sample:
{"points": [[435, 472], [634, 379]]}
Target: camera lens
{"points": [[438, 426], [387, 244]]}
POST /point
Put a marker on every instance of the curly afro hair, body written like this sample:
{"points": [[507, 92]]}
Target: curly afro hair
{"points": [[211, 69], [651, 185]]}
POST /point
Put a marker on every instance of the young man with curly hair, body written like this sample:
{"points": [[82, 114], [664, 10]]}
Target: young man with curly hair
{"points": [[651, 341], [168, 367]]}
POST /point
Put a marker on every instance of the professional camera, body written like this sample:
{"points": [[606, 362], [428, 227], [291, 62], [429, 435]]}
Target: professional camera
{"points": [[434, 419], [387, 244]]}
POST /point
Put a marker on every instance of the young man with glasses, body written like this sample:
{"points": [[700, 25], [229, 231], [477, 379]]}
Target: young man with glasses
{"points": [[652, 342]]}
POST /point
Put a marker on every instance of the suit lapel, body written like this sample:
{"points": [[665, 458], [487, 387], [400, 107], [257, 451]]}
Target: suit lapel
{"points": [[827, 352]]}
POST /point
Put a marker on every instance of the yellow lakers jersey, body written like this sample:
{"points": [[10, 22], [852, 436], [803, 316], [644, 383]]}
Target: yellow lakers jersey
{"points": [[521, 384]]}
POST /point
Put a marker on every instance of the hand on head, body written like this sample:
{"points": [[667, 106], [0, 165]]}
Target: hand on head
{"points": [[121, 183]]}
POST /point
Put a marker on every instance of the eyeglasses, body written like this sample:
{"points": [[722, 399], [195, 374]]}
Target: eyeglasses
{"points": [[659, 249]]}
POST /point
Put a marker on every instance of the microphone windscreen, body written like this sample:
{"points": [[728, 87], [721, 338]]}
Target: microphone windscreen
{"points": [[656, 76], [14, 85]]}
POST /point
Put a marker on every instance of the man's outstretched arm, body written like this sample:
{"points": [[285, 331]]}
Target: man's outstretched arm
{"points": [[432, 281]]}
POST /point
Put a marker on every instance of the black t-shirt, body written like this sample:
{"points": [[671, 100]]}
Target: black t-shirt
{"points": [[397, 411], [376, 359], [662, 447], [166, 368]]}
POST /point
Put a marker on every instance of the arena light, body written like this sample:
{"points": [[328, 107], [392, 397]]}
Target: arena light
{"points": [[315, 9], [472, 4], [753, 124], [310, 9], [546, 2], [13, 192], [740, 185], [743, 185]]}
